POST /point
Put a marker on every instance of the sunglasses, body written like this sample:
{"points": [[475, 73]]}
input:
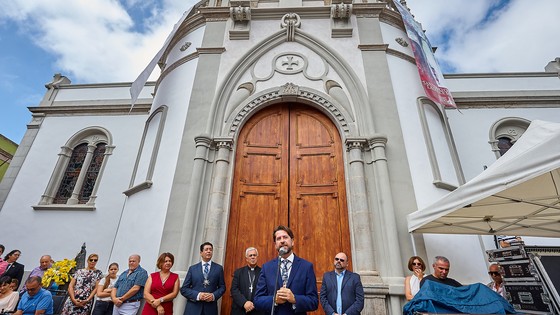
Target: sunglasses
{"points": [[339, 259], [93, 260], [493, 273], [416, 264]]}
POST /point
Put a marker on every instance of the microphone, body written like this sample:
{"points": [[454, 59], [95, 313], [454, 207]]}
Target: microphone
{"points": [[282, 251]]}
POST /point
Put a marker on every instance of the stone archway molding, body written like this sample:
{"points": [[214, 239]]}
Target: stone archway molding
{"points": [[290, 92], [356, 91]]}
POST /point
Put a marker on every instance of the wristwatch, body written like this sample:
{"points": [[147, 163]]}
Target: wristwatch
{"points": [[161, 300]]}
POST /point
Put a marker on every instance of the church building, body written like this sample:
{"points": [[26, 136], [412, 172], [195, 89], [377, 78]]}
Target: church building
{"points": [[305, 113]]}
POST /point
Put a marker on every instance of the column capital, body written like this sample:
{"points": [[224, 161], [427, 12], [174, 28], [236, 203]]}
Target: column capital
{"points": [[203, 140], [377, 140], [356, 144], [223, 143]]}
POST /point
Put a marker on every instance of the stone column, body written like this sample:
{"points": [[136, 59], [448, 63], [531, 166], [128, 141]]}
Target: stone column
{"points": [[389, 245], [216, 219], [192, 208], [360, 222]]}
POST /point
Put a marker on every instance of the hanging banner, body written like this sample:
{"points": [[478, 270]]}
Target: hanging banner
{"points": [[428, 68]]}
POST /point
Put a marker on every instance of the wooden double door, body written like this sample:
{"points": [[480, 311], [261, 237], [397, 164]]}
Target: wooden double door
{"points": [[289, 170]]}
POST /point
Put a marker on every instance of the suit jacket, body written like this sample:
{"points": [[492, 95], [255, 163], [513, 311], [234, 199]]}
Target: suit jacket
{"points": [[15, 271], [302, 282], [352, 293], [194, 284], [240, 292]]}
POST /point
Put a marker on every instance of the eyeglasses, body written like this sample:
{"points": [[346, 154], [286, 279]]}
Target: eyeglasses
{"points": [[93, 260], [339, 259], [493, 273], [416, 264]]}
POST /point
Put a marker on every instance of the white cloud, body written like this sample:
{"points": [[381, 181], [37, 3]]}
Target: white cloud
{"points": [[96, 41], [521, 36]]}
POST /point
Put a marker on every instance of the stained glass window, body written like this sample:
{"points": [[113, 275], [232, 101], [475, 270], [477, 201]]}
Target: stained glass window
{"points": [[504, 144], [71, 175], [92, 172], [73, 170]]}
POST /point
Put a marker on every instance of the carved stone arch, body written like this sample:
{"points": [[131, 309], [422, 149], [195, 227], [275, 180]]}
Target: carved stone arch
{"points": [[232, 82], [291, 93], [80, 137]]}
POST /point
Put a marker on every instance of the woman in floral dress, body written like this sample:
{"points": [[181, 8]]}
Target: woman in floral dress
{"points": [[82, 289]]}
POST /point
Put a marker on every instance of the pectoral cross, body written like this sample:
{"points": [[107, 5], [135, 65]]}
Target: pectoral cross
{"points": [[251, 288]]}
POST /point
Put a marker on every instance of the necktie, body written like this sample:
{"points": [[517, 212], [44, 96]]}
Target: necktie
{"points": [[284, 271], [339, 278], [206, 270]]}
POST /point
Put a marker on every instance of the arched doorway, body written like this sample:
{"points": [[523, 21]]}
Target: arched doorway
{"points": [[289, 170]]}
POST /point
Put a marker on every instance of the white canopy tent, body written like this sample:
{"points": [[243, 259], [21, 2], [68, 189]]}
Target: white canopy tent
{"points": [[517, 195]]}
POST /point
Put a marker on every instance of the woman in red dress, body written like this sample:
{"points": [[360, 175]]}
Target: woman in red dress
{"points": [[161, 288]]}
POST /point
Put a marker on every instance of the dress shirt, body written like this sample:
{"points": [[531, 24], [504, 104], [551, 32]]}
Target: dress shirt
{"points": [[339, 277]]}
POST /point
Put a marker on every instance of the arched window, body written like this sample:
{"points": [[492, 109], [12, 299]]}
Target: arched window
{"points": [[78, 170], [446, 167], [505, 132], [504, 144]]}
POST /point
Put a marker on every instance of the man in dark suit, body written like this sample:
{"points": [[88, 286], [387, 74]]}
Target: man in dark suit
{"points": [[14, 269], [204, 284], [342, 291], [244, 285], [292, 288]]}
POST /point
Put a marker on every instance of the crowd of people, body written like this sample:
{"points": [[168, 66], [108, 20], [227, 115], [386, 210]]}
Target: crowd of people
{"points": [[285, 284], [441, 265]]}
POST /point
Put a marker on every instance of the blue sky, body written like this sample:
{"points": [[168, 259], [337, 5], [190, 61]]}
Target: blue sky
{"points": [[93, 41]]}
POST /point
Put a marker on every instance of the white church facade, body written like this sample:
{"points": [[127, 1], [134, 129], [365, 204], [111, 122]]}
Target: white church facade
{"points": [[296, 112]]}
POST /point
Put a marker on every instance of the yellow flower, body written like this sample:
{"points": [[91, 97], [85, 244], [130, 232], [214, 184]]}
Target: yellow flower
{"points": [[59, 272]]}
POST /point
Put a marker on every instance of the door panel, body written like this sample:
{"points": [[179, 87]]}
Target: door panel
{"points": [[289, 170]]}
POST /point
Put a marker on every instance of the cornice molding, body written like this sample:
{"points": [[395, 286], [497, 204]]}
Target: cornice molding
{"points": [[389, 51], [215, 14], [323, 12], [373, 47], [502, 75], [378, 10], [210, 50], [85, 109], [401, 55], [510, 101]]}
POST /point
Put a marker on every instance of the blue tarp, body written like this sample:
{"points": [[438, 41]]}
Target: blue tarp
{"points": [[470, 299]]}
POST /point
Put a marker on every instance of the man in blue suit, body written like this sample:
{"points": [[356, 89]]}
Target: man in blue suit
{"points": [[204, 284], [342, 291], [292, 289]]}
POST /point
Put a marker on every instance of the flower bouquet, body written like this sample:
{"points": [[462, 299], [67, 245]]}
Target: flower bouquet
{"points": [[59, 274]]}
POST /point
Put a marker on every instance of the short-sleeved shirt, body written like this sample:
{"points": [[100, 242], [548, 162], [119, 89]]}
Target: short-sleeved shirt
{"points": [[40, 301], [125, 282]]}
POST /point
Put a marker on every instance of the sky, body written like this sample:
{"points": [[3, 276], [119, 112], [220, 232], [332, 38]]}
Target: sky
{"points": [[100, 41]]}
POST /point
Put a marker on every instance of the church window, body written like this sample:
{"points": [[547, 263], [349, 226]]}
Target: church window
{"points": [[442, 153], [504, 144], [148, 152], [78, 171], [505, 132]]}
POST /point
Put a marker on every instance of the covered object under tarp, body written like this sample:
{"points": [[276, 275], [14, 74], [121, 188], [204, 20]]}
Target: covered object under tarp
{"points": [[517, 195]]}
